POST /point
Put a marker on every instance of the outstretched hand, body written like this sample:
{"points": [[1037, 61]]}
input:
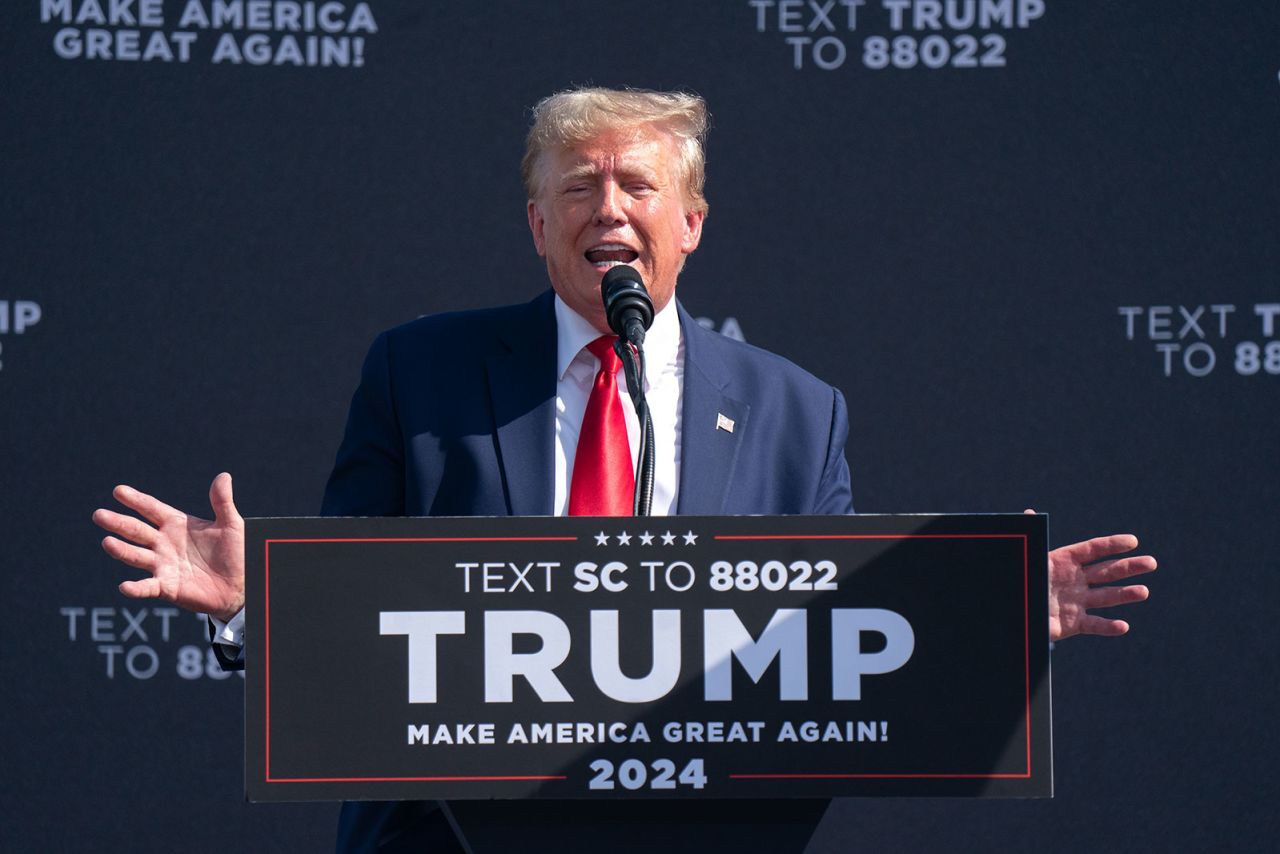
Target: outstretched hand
{"points": [[194, 563], [1076, 573]]}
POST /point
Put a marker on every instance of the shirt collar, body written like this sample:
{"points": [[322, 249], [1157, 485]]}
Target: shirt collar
{"points": [[573, 332]]}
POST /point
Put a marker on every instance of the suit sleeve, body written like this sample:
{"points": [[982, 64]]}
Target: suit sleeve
{"points": [[835, 494], [368, 475]]}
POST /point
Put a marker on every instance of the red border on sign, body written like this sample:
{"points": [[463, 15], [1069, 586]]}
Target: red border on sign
{"points": [[740, 776]]}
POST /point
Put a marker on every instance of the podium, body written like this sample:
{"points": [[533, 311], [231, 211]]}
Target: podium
{"points": [[643, 659]]}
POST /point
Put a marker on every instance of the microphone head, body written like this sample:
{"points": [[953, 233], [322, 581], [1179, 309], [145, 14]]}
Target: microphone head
{"points": [[624, 296]]}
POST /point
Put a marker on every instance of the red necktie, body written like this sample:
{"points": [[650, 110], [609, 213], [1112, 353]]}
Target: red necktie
{"points": [[603, 483]]}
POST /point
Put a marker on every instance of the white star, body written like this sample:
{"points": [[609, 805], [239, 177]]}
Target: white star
{"points": [[602, 539], [668, 538], [624, 539], [646, 539], [690, 538]]}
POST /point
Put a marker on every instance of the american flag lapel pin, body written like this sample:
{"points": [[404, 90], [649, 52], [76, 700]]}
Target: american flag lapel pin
{"points": [[724, 422]]}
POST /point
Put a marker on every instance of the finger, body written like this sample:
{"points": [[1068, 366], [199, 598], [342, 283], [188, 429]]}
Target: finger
{"points": [[1118, 568], [1105, 597], [126, 526], [1101, 547], [138, 558], [144, 588], [221, 499], [1092, 625], [1029, 512], [152, 509]]}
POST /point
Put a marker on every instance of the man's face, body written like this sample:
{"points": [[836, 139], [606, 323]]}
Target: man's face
{"points": [[615, 199]]}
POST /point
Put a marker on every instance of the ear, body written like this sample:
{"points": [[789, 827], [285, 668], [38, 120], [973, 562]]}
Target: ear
{"points": [[692, 231], [536, 223]]}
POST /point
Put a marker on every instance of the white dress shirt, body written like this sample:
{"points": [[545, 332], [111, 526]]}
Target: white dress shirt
{"points": [[663, 385], [575, 374]]}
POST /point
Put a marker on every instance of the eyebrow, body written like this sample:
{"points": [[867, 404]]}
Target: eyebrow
{"points": [[582, 170], [624, 170]]}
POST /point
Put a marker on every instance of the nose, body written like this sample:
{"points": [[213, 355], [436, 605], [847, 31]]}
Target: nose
{"points": [[611, 209]]}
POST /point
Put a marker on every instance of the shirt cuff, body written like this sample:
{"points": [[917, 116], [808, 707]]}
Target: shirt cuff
{"points": [[229, 634]]}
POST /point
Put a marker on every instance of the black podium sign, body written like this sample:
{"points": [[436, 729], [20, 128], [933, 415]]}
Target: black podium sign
{"points": [[647, 658]]}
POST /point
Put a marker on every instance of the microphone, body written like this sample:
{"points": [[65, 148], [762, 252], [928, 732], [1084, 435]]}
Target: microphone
{"points": [[629, 310], [626, 303]]}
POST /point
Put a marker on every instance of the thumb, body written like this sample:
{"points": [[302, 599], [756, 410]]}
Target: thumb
{"points": [[1028, 512], [222, 501]]}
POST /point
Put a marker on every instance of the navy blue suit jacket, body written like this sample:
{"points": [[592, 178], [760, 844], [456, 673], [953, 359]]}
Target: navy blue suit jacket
{"points": [[455, 416]]}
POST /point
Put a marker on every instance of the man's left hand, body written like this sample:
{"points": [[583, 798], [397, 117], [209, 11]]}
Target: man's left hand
{"points": [[1076, 575]]}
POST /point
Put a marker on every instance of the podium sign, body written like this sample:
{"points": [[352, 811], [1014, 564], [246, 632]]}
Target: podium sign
{"points": [[715, 657]]}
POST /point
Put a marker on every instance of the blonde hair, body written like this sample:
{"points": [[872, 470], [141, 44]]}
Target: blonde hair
{"points": [[578, 115]]}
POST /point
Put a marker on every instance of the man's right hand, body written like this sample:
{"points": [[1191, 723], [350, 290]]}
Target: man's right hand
{"points": [[194, 563]]}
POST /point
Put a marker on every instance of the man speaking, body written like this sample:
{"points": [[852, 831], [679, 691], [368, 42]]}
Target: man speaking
{"points": [[520, 410]]}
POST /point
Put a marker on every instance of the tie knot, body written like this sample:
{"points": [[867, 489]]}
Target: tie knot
{"points": [[602, 349]]}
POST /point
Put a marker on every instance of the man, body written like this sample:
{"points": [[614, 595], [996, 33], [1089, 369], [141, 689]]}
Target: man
{"points": [[491, 412]]}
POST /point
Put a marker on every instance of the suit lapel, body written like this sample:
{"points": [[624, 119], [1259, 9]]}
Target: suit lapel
{"points": [[522, 393], [708, 453]]}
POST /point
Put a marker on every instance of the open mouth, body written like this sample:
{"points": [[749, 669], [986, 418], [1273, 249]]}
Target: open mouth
{"points": [[608, 255]]}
